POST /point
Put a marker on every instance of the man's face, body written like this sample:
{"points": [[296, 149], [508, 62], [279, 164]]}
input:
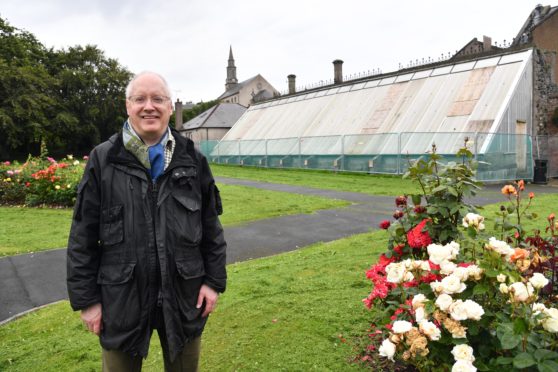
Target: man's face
{"points": [[148, 114]]}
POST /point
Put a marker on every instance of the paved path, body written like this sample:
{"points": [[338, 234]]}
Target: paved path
{"points": [[32, 280]]}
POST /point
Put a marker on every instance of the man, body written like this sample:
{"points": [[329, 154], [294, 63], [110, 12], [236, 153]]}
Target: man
{"points": [[146, 248]]}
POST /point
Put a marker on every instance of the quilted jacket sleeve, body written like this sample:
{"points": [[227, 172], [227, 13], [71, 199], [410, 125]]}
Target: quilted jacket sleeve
{"points": [[213, 245], [83, 255]]}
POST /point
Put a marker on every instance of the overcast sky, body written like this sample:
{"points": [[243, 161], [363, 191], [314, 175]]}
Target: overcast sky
{"points": [[187, 41]]}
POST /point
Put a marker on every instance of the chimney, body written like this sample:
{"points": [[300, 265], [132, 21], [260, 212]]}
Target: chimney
{"points": [[337, 71], [292, 83], [178, 115], [486, 43]]}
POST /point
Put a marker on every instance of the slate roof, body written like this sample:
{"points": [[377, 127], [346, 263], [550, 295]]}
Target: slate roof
{"points": [[222, 115], [237, 87]]}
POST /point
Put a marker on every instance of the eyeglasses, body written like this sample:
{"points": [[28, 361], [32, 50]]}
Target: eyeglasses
{"points": [[142, 100]]}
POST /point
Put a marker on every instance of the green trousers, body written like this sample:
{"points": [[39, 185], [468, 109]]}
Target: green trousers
{"points": [[187, 361]]}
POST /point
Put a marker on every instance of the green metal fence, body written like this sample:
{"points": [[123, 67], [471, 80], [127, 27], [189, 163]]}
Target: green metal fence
{"points": [[502, 156]]}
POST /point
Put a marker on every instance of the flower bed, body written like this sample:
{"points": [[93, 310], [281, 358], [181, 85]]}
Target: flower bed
{"points": [[41, 181], [446, 296]]}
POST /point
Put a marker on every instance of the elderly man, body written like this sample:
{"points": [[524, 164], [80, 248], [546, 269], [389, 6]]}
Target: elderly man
{"points": [[146, 248]]}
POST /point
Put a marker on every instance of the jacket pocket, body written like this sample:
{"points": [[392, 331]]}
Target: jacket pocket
{"points": [[119, 297], [112, 229], [186, 218], [188, 281]]}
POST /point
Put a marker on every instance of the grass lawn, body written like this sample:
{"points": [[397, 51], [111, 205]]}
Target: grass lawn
{"points": [[356, 182], [287, 312], [24, 230]]}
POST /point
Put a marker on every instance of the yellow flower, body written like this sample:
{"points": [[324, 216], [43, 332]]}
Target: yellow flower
{"points": [[70, 157], [57, 187], [68, 185], [8, 179], [76, 162]]}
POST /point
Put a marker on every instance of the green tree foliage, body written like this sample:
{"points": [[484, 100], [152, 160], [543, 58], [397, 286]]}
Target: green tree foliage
{"points": [[197, 109], [90, 88], [68, 100]]}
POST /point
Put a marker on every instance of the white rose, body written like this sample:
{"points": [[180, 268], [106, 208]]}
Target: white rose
{"points": [[401, 326], [430, 330], [418, 300], [437, 287], [474, 310], [407, 263], [519, 291], [501, 278], [503, 288], [538, 280], [463, 352], [439, 253], [538, 308], [550, 323], [501, 247], [419, 314], [444, 301], [462, 273], [474, 271], [551, 312], [395, 272], [408, 276], [474, 220], [452, 284], [387, 349], [447, 267], [454, 249], [458, 310], [463, 366], [424, 265]]}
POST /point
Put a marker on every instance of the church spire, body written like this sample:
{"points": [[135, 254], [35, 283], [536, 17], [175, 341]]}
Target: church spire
{"points": [[231, 72]]}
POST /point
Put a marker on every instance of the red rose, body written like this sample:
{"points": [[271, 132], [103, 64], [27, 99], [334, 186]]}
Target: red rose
{"points": [[420, 209], [397, 214], [401, 201], [385, 224], [417, 238]]}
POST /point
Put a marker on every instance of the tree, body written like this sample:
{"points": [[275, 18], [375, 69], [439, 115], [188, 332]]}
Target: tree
{"points": [[68, 99], [26, 92], [91, 90]]}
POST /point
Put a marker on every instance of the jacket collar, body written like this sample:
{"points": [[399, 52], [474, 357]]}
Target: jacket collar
{"points": [[183, 155]]}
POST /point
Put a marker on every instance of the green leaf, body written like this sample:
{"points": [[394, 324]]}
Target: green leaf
{"points": [[509, 340], [504, 361], [524, 360], [480, 288], [548, 366], [416, 199], [520, 326], [452, 191], [542, 354], [439, 188]]}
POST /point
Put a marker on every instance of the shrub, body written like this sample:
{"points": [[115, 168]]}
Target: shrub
{"points": [[446, 296], [40, 181]]}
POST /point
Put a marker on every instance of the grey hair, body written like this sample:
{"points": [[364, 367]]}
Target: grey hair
{"points": [[136, 76]]}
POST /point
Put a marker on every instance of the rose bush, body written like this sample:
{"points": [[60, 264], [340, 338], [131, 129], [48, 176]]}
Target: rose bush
{"points": [[40, 181], [446, 296]]}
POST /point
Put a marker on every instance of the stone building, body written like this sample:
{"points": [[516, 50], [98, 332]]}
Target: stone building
{"points": [[247, 92], [213, 123]]}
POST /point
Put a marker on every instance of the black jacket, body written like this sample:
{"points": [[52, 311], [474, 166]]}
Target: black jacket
{"points": [[134, 244]]}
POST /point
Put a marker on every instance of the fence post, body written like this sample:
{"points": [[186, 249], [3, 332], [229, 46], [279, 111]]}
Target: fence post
{"points": [[300, 152], [239, 158], [476, 145], [342, 167], [399, 153], [266, 163]]}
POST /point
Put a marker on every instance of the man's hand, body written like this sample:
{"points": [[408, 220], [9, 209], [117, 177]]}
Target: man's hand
{"points": [[210, 297], [91, 317]]}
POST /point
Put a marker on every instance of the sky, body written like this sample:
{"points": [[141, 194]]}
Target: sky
{"points": [[187, 41]]}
